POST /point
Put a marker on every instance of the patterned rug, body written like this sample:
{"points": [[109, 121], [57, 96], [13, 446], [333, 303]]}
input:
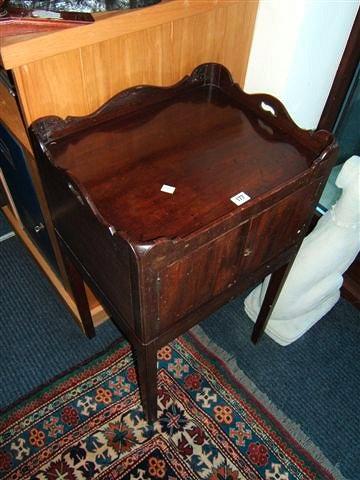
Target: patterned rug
{"points": [[89, 424]]}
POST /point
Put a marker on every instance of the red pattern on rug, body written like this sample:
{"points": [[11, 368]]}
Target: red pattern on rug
{"points": [[89, 424]]}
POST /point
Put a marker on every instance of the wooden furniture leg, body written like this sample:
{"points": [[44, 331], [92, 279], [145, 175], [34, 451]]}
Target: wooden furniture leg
{"points": [[146, 360], [77, 287], [273, 290], [3, 199]]}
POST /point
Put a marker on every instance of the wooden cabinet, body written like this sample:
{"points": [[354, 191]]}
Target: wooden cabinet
{"points": [[245, 183]]}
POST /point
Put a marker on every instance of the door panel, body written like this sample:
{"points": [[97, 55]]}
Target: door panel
{"points": [[203, 274], [277, 228]]}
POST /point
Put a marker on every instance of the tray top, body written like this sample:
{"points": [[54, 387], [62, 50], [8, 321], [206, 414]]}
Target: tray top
{"points": [[199, 142]]}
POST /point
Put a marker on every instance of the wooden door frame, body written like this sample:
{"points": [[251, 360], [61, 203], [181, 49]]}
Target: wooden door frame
{"points": [[343, 78], [341, 84]]}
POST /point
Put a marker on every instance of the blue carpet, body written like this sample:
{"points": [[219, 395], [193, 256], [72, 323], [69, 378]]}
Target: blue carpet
{"points": [[38, 337], [315, 381]]}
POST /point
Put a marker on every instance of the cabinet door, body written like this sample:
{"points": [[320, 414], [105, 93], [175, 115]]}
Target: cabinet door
{"points": [[278, 227], [203, 274], [13, 165]]}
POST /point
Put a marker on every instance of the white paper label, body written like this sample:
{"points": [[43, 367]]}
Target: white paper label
{"points": [[240, 198], [168, 189]]}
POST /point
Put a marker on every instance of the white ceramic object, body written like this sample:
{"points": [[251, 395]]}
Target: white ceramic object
{"points": [[313, 285]]}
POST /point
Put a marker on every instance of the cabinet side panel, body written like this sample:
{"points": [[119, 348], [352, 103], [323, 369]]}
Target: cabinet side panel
{"points": [[104, 259]]}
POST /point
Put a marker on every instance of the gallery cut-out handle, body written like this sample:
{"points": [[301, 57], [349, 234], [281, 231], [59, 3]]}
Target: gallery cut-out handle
{"points": [[268, 108]]}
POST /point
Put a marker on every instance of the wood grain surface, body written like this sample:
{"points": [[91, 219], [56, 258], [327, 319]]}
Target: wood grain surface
{"points": [[10, 116], [15, 53], [76, 81]]}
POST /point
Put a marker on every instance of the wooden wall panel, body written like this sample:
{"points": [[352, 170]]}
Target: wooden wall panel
{"points": [[132, 60], [52, 86], [235, 47], [78, 81], [22, 49]]}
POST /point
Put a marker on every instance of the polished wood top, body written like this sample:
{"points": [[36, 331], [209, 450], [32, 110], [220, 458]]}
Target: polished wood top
{"points": [[20, 21], [199, 143], [200, 139]]}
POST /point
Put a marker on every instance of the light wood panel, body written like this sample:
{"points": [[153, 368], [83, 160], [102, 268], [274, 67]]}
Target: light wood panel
{"points": [[15, 53], [10, 116], [77, 82], [51, 85]]}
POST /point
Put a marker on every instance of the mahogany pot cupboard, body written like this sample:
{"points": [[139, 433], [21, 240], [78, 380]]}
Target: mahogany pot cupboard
{"points": [[169, 202]]}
